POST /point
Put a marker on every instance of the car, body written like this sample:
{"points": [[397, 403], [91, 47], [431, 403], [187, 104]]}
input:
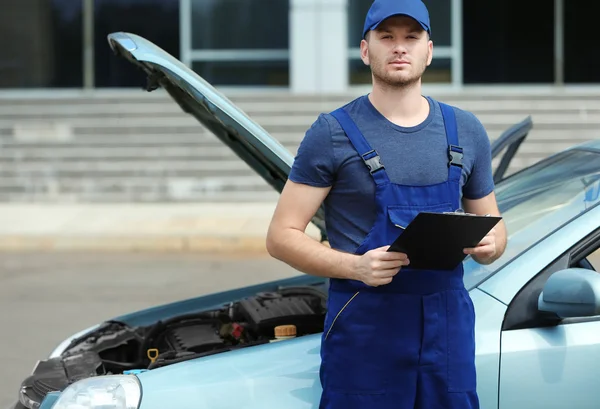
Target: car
{"points": [[537, 307]]}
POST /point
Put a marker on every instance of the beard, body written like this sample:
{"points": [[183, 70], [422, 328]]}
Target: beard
{"points": [[398, 79]]}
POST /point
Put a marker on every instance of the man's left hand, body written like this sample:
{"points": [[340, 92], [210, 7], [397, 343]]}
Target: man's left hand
{"points": [[485, 252]]}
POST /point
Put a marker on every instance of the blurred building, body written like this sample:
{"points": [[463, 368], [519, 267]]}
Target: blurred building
{"points": [[302, 45], [103, 140]]}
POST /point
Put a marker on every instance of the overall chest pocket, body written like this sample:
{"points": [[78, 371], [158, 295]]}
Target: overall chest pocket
{"points": [[400, 216]]}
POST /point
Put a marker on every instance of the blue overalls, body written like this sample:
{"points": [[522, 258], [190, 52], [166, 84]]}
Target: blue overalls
{"points": [[409, 344]]}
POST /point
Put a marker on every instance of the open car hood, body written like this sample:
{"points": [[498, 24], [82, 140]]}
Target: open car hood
{"points": [[271, 160]]}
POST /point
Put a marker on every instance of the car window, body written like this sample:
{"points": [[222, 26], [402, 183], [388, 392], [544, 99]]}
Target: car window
{"points": [[594, 260], [539, 200], [522, 311], [588, 256]]}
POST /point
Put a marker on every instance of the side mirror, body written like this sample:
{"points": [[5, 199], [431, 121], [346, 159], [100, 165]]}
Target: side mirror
{"points": [[574, 292]]}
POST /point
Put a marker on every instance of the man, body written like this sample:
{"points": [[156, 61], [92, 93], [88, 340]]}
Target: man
{"points": [[394, 337]]}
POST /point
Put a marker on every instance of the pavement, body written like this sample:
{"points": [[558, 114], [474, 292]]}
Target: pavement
{"points": [[213, 228]]}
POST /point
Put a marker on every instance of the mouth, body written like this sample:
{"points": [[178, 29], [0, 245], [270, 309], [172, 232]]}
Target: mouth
{"points": [[399, 63]]}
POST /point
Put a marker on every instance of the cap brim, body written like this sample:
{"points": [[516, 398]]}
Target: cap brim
{"points": [[374, 26]]}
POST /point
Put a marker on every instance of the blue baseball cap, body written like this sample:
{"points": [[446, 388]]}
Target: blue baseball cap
{"points": [[383, 9]]}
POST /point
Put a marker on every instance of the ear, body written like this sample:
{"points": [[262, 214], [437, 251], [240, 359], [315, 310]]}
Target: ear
{"points": [[364, 51], [430, 52]]}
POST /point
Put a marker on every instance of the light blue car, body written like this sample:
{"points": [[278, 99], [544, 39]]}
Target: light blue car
{"points": [[537, 308]]}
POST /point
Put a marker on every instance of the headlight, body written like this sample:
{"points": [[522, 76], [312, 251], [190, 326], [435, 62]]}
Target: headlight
{"points": [[102, 392]]}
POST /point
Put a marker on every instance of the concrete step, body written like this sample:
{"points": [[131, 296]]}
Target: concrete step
{"points": [[82, 188], [82, 157], [201, 137], [69, 153], [195, 136], [272, 124], [280, 108], [125, 168], [238, 196], [470, 93], [136, 188], [122, 137], [164, 168]]}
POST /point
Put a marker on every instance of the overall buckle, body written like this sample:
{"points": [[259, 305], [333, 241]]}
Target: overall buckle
{"points": [[374, 163], [455, 155]]}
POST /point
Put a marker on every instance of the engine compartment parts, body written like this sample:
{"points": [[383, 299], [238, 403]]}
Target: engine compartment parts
{"points": [[152, 354], [194, 336], [264, 314], [115, 348], [283, 332]]}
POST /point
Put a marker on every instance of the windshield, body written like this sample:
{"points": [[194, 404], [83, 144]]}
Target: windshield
{"points": [[538, 200]]}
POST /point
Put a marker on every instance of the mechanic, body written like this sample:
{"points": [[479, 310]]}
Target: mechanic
{"points": [[393, 337]]}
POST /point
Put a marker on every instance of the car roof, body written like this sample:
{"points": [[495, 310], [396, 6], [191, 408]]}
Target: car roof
{"points": [[593, 144]]}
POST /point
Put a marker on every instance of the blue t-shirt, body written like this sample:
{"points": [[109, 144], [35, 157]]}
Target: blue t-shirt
{"points": [[411, 155]]}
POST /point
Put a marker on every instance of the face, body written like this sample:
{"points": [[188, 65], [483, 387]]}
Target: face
{"points": [[398, 51]]}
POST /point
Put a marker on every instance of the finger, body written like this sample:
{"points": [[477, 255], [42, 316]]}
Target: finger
{"points": [[385, 281], [491, 233], [486, 241], [391, 256], [382, 274], [382, 281], [387, 265], [381, 249], [382, 253], [487, 249]]}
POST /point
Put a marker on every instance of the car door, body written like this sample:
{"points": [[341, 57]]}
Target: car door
{"points": [[509, 143], [548, 362]]}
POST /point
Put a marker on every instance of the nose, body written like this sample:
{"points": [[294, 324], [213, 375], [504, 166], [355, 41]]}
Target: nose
{"points": [[399, 48]]}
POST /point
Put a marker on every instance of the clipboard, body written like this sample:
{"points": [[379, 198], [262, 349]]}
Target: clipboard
{"points": [[435, 241]]}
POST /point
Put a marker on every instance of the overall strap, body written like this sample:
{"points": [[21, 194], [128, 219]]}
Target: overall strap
{"points": [[369, 156], [455, 152]]}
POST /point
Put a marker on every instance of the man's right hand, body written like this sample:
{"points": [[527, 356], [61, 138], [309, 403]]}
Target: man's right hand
{"points": [[378, 266]]}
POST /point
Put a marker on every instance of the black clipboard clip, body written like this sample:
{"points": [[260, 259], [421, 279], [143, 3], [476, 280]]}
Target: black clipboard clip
{"points": [[461, 212]]}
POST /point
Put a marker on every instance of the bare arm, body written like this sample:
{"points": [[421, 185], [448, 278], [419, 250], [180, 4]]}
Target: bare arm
{"points": [[288, 242], [494, 244]]}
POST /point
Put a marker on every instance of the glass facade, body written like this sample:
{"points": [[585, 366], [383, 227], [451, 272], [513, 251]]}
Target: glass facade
{"points": [[247, 42], [41, 44], [440, 14], [241, 42], [501, 46], [244, 73], [240, 24], [581, 62]]}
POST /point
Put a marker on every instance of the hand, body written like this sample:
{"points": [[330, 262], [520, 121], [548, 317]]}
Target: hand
{"points": [[378, 267], [485, 252]]}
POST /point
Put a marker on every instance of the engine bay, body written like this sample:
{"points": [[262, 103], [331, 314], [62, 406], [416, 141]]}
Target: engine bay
{"points": [[115, 348]]}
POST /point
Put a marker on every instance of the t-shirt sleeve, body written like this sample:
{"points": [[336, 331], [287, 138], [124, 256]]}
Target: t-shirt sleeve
{"points": [[481, 181], [314, 162]]}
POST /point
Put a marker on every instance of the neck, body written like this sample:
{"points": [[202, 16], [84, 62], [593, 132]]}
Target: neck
{"points": [[404, 106]]}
